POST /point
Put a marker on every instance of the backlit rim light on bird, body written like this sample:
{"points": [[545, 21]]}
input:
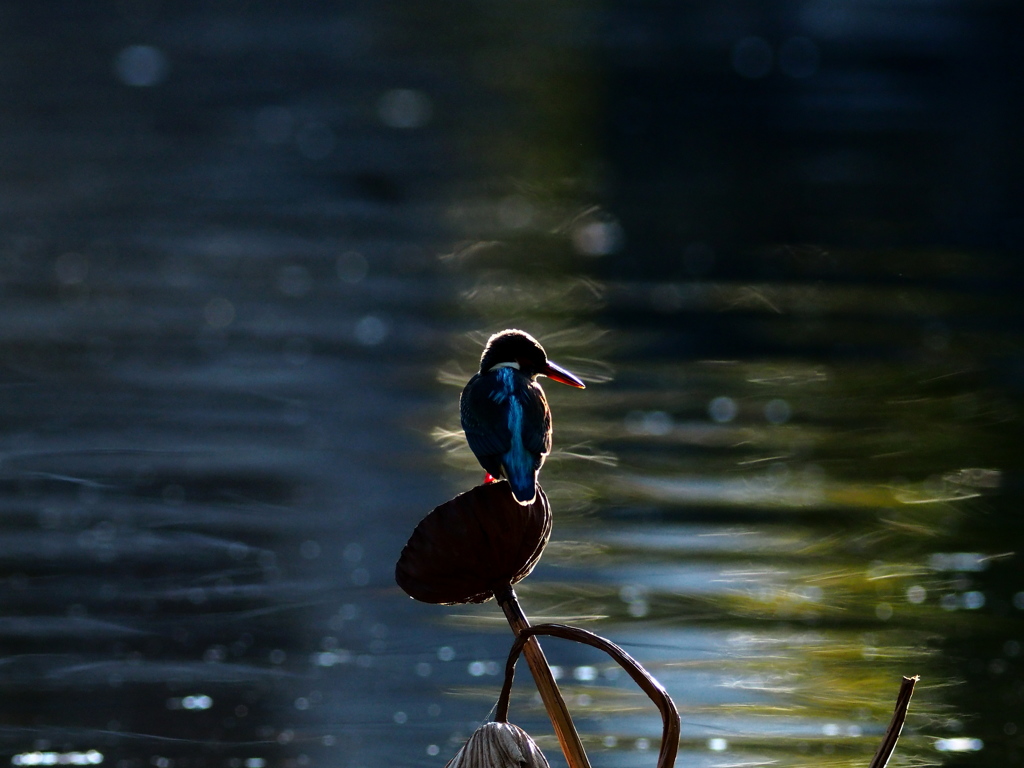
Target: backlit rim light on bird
{"points": [[505, 413]]}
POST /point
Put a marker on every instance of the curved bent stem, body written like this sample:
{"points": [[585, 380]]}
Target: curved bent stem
{"points": [[650, 686]]}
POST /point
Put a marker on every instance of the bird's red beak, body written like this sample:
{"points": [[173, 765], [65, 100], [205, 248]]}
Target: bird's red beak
{"points": [[559, 374]]}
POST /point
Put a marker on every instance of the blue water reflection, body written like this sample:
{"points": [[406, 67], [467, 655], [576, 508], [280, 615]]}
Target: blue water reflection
{"points": [[248, 258]]}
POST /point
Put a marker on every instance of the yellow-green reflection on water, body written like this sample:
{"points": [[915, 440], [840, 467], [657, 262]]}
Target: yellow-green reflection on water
{"points": [[777, 539]]}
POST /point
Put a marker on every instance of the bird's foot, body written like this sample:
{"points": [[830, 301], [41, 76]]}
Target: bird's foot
{"points": [[489, 478]]}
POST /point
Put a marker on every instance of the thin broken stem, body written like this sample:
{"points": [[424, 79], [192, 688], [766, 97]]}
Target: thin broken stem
{"points": [[568, 738], [899, 716]]}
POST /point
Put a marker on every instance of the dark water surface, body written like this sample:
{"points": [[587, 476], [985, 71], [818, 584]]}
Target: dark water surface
{"points": [[249, 253]]}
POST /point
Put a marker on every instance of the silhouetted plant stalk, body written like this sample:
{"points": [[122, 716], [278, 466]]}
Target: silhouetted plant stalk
{"points": [[568, 738], [899, 716], [472, 548], [650, 686], [477, 546]]}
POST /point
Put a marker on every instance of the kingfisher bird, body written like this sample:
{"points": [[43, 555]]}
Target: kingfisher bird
{"points": [[504, 412]]}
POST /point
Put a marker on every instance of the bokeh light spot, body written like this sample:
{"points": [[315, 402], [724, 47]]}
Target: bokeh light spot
{"points": [[648, 423], [585, 673], [201, 701], [92, 757], [351, 267], [958, 561], [294, 280], [597, 238], [371, 331], [141, 66], [219, 312], [973, 600], [723, 409], [960, 744], [638, 608], [297, 351], [353, 552], [515, 212], [777, 411], [71, 268], [404, 108]]}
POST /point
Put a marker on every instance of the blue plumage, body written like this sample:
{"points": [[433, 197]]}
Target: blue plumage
{"points": [[520, 466]]}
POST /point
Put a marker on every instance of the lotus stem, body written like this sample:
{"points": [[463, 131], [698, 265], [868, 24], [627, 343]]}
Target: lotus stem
{"points": [[654, 690], [568, 738], [899, 716]]}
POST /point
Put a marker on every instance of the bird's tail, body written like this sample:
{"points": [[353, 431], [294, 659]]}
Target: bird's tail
{"points": [[519, 465], [524, 487]]}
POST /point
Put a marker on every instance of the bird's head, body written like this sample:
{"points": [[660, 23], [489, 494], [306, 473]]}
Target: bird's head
{"points": [[517, 349]]}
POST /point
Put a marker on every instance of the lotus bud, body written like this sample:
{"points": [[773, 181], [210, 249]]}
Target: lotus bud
{"points": [[499, 745]]}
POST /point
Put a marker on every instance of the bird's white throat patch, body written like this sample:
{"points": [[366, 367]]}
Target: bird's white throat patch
{"points": [[503, 365]]}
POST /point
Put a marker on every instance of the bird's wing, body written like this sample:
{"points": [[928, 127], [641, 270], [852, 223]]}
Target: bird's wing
{"points": [[484, 421], [536, 423]]}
